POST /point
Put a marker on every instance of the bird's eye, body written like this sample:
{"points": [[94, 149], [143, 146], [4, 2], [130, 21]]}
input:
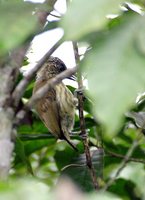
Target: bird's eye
{"points": [[62, 67]]}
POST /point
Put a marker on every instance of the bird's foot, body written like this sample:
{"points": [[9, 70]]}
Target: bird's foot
{"points": [[74, 133], [80, 92]]}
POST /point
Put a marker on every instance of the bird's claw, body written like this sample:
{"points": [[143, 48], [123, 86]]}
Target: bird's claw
{"points": [[79, 92]]}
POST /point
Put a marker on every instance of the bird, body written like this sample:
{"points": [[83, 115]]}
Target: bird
{"points": [[56, 108]]}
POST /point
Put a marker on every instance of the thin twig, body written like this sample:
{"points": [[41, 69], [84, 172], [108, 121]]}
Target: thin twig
{"points": [[82, 122], [113, 154], [38, 136], [53, 15], [35, 136], [123, 164], [20, 88], [72, 165], [43, 90]]}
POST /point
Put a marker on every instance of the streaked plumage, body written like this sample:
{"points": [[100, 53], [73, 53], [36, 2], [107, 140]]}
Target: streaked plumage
{"points": [[57, 108]]}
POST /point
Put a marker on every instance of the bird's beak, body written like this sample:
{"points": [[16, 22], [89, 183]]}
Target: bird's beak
{"points": [[73, 78]]}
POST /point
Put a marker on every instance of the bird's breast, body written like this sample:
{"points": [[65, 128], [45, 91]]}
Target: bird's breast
{"points": [[65, 98]]}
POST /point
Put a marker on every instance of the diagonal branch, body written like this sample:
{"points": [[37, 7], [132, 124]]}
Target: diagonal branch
{"points": [[117, 155], [122, 164], [20, 88]]}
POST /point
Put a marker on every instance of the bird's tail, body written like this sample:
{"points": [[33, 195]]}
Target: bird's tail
{"points": [[69, 142]]}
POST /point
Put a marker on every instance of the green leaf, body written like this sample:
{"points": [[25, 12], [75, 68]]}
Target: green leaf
{"points": [[126, 189], [103, 195], [115, 68], [23, 189], [29, 90], [37, 127], [34, 146], [67, 158], [21, 155], [136, 173], [23, 150], [74, 166], [16, 23], [85, 16]]}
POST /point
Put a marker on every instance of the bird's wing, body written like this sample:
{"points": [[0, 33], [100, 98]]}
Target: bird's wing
{"points": [[48, 112]]}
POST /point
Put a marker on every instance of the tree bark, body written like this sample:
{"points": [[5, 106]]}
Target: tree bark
{"points": [[6, 145], [6, 120]]}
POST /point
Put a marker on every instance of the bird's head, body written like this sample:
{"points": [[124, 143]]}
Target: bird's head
{"points": [[51, 68]]}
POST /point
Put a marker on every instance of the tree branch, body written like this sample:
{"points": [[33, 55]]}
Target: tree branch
{"points": [[113, 154], [8, 75], [20, 88], [82, 122], [6, 145], [123, 164]]}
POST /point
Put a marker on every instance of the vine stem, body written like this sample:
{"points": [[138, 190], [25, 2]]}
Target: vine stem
{"points": [[83, 133]]}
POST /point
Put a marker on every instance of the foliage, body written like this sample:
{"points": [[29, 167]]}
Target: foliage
{"points": [[114, 67], [18, 27]]}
